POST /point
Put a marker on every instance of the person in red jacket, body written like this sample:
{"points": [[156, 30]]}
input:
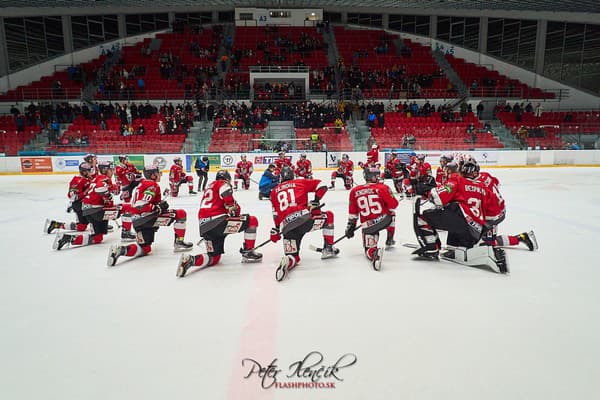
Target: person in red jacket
{"points": [[177, 177], [243, 171], [127, 177], [440, 174], [372, 156], [374, 204], [98, 208], [282, 161], [294, 216], [495, 212], [149, 212], [345, 170], [219, 216], [304, 167], [78, 188], [459, 210]]}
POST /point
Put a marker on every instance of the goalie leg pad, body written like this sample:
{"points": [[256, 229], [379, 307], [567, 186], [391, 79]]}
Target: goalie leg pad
{"points": [[491, 257]]}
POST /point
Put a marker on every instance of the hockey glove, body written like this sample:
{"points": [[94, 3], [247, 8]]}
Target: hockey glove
{"points": [[233, 210], [314, 207], [275, 235], [163, 206], [350, 228]]}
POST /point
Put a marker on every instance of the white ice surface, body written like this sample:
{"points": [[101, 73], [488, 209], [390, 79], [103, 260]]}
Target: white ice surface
{"points": [[74, 329]]}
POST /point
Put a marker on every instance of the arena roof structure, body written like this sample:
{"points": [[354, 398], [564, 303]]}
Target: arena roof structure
{"points": [[592, 6]]}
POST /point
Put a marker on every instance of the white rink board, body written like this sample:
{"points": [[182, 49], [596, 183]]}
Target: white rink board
{"points": [[62, 164]]}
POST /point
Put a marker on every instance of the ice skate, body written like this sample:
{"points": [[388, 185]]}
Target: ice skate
{"points": [[377, 258], [329, 251], [389, 242], [63, 240], [115, 252], [529, 239], [127, 236], [185, 262], [181, 245], [192, 192], [285, 265], [427, 253], [51, 225], [500, 261], [249, 256]]}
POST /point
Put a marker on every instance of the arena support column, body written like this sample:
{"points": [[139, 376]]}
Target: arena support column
{"points": [[433, 26], [67, 34], [483, 34], [3, 51], [540, 46], [122, 26]]}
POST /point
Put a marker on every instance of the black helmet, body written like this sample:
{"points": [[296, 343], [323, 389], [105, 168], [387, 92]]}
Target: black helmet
{"points": [[150, 170], [446, 158], [223, 175], [371, 174], [469, 168], [204, 158], [89, 157], [286, 174], [451, 167], [104, 166], [123, 158], [84, 167], [303, 155]]}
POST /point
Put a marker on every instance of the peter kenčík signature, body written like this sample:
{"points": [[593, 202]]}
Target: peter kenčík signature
{"points": [[311, 367]]}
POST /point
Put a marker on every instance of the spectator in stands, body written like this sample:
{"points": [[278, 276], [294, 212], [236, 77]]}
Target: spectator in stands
{"points": [[463, 109], [480, 109], [371, 117], [161, 127], [339, 124], [538, 110], [474, 84], [568, 117], [140, 130], [528, 108], [85, 140], [522, 133], [141, 84], [55, 126], [314, 141]]}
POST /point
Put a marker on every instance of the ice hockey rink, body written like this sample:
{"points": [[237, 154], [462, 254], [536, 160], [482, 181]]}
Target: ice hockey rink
{"points": [[72, 328]]}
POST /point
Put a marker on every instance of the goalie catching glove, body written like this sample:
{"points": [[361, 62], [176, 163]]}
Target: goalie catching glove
{"points": [[275, 235]]}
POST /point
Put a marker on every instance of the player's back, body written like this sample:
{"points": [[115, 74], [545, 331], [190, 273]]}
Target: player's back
{"points": [[371, 200], [291, 196], [145, 196], [495, 205], [472, 195], [215, 196]]}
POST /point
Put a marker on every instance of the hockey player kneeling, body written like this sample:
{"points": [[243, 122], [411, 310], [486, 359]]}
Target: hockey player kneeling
{"points": [[148, 213], [294, 217], [97, 208], [218, 217], [178, 177], [375, 204], [459, 211]]}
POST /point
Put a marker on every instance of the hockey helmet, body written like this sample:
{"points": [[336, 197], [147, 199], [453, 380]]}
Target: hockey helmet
{"points": [[223, 175], [421, 157], [243, 157], [150, 170], [445, 159], [281, 154], [469, 168], [85, 168], [123, 158], [371, 174], [204, 158], [303, 155], [177, 160], [374, 146], [451, 167], [345, 157], [105, 166], [89, 157], [286, 174]]}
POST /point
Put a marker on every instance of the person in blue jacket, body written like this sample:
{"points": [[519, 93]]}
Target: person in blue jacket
{"points": [[267, 182], [202, 166]]}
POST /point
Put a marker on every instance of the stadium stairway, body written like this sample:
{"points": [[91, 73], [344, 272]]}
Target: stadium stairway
{"points": [[359, 134], [504, 135], [451, 74], [198, 138]]}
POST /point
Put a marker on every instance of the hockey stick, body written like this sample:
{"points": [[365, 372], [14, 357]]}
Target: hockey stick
{"points": [[320, 249], [258, 247]]}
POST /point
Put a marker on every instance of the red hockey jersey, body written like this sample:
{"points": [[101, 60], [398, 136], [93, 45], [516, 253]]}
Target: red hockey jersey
{"points": [[303, 167], [370, 201], [291, 196], [216, 200], [470, 195], [176, 173], [78, 188], [146, 196], [244, 168], [373, 156], [495, 207], [99, 193], [125, 173], [280, 163], [346, 167]]}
